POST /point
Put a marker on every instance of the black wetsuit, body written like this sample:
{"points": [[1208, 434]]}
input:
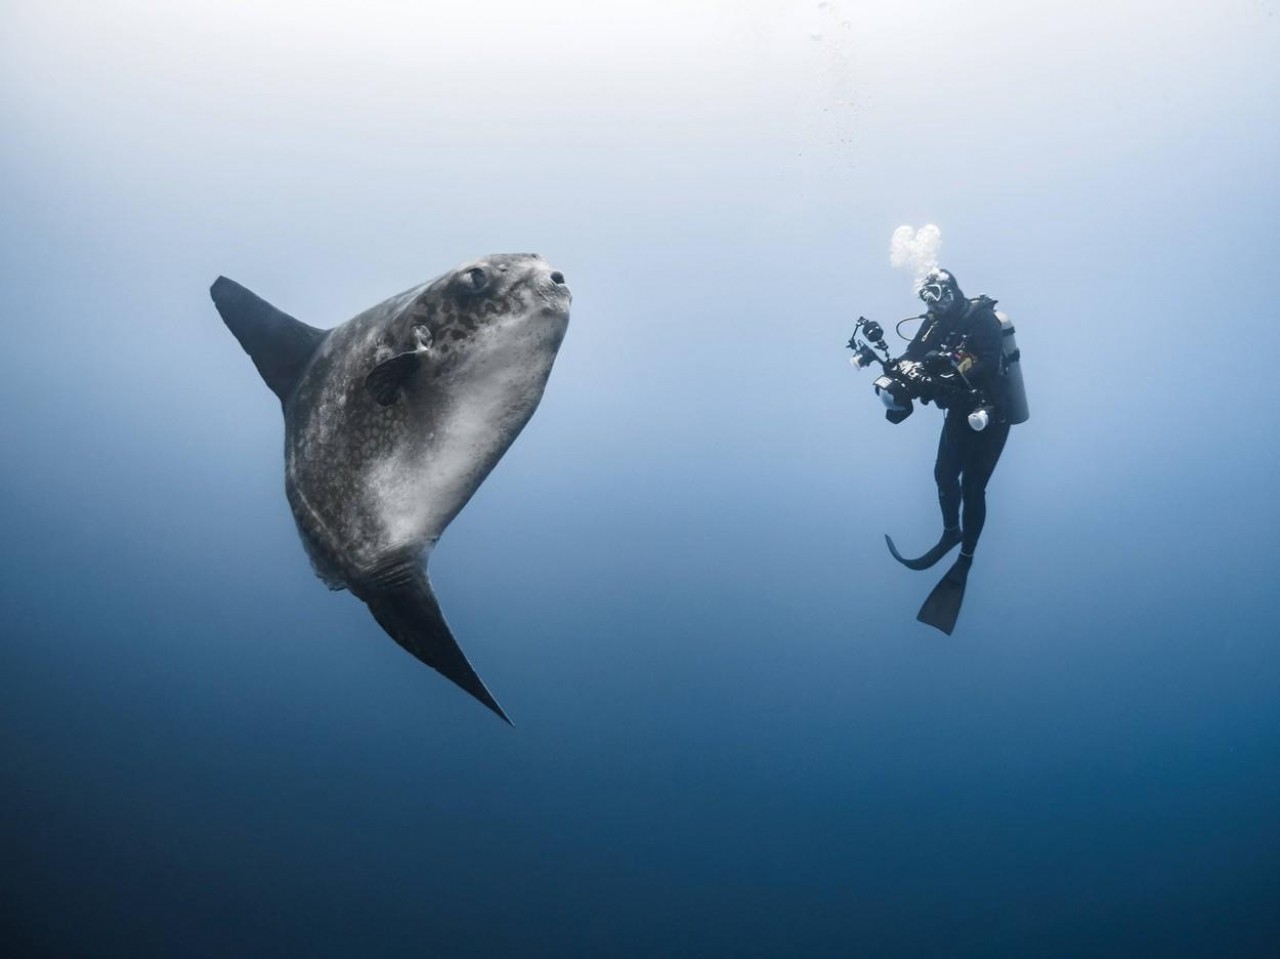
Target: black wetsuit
{"points": [[967, 457]]}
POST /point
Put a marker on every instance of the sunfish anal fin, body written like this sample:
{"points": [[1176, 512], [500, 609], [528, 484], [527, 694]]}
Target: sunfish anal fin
{"points": [[401, 600]]}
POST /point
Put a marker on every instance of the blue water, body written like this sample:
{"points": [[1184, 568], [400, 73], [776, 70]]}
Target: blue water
{"points": [[732, 738]]}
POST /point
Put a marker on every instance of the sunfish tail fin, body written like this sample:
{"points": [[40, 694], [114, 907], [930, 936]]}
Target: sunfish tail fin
{"points": [[280, 346], [404, 605]]}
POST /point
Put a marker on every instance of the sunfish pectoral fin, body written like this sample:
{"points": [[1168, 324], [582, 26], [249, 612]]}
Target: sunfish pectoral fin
{"points": [[404, 605], [386, 379], [280, 346]]}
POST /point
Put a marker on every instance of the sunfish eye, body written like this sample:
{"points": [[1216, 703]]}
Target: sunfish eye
{"points": [[474, 280]]}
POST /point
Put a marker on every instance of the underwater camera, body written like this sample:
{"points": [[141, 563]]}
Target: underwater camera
{"points": [[934, 380], [892, 386]]}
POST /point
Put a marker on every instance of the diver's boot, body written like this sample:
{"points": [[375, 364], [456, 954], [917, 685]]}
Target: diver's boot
{"points": [[942, 608], [950, 539]]}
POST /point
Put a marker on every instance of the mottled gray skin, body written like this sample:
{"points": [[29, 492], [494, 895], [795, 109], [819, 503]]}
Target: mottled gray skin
{"points": [[372, 487]]}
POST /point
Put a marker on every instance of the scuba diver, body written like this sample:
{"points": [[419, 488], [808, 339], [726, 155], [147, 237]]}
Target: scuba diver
{"points": [[964, 360]]}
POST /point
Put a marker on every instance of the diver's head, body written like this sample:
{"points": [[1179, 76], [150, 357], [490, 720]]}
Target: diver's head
{"points": [[940, 292]]}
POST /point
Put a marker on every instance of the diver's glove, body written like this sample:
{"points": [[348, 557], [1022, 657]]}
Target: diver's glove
{"points": [[945, 362], [949, 390], [953, 395], [937, 363]]}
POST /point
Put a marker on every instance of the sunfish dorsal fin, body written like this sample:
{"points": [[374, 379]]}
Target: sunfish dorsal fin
{"points": [[279, 345]]}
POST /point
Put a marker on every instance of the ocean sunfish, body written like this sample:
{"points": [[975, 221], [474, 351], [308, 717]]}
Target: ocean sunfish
{"points": [[394, 419]]}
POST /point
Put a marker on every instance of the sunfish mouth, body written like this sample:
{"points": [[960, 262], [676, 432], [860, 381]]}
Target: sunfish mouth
{"points": [[556, 290], [557, 280]]}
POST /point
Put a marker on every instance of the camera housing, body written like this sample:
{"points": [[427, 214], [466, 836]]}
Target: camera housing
{"points": [[937, 378], [896, 395]]}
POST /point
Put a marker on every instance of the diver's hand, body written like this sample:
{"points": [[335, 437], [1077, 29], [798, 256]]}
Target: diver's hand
{"points": [[936, 362]]}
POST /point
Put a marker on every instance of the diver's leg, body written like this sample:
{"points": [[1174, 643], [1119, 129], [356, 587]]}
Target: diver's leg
{"points": [[946, 472], [947, 467], [982, 452]]}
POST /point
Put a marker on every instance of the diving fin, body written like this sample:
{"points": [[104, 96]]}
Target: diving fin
{"points": [[403, 603], [950, 539], [942, 607]]}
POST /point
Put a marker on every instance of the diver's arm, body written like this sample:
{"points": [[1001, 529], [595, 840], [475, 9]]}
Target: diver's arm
{"points": [[983, 348]]}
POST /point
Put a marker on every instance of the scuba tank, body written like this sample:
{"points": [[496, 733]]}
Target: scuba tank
{"points": [[1012, 400], [1015, 393]]}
